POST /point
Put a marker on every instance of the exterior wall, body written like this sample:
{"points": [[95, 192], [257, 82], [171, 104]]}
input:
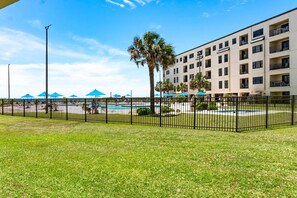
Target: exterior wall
{"points": [[275, 80]]}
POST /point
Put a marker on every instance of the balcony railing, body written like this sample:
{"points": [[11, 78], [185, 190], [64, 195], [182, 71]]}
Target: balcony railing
{"points": [[244, 56], [208, 77], [207, 65], [207, 53], [244, 86], [243, 42], [278, 31], [279, 66], [279, 84], [185, 70], [244, 71], [274, 49]]}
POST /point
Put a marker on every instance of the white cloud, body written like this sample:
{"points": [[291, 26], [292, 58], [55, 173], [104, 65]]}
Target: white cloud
{"points": [[115, 3], [72, 70], [130, 3], [35, 23], [154, 26]]}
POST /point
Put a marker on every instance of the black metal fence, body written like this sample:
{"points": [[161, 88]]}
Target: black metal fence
{"points": [[225, 114]]}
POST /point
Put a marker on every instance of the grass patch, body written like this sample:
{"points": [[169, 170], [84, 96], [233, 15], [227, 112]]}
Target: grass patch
{"points": [[52, 158]]}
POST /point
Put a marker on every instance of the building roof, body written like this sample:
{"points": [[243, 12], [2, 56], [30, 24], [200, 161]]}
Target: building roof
{"points": [[4, 3], [237, 31]]}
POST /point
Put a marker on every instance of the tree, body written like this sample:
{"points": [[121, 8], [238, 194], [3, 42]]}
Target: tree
{"points": [[167, 86], [158, 86], [182, 87], [199, 82], [152, 50]]}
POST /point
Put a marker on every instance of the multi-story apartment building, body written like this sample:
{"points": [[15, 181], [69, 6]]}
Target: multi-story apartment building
{"points": [[258, 60]]}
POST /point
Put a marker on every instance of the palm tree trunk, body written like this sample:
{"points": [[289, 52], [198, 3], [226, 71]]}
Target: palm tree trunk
{"points": [[152, 90]]}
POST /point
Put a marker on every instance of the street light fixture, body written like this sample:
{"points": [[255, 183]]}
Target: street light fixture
{"points": [[46, 69]]}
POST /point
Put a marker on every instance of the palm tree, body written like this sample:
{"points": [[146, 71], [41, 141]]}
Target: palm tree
{"points": [[199, 82], [182, 87], [158, 86], [167, 86], [152, 50]]}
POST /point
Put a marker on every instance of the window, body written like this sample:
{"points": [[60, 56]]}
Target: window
{"points": [[220, 72], [233, 41], [258, 33], [176, 70], [191, 66], [220, 45], [191, 56], [199, 53], [285, 45], [208, 63], [220, 59], [208, 75], [199, 64], [167, 72], [226, 84], [226, 58], [185, 69], [220, 84], [226, 43], [258, 80], [173, 71], [185, 59], [176, 60], [258, 48], [207, 51], [214, 48], [176, 79], [185, 78], [257, 64], [226, 71], [191, 76], [180, 59]]}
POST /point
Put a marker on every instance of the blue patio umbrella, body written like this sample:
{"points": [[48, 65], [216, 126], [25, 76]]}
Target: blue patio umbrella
{"points": [[73, 96], [201, 93], [27, 96], [43, 94], [157, 95], [168, 95], [55, 95], [184, 94], [116, 95], [128, 95], [95, 93]]}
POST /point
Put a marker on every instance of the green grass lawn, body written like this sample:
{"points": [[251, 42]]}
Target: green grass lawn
{"points": [[55, 158]]}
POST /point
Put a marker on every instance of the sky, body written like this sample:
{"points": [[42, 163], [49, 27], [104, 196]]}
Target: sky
{"points": [[88, 39]]}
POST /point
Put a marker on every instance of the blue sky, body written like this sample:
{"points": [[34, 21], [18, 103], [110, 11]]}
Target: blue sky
{"points": [[88, 39]]}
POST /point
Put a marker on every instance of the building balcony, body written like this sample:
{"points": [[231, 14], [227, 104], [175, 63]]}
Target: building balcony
{"points": [[278, 31], [274, 49], [208, 77], [244, 86], [244, 71], [279, 66], [243, 42], [244, 56], [279, 84]]}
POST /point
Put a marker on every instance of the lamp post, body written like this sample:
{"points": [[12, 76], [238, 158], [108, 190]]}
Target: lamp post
{"points": [[160, 83], [8, 73], [46, 69]]}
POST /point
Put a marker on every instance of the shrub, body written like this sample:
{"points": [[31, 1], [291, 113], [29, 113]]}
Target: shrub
{"points": [[166, 109], [181, 99], [201, 106], [143, 111], [212, 106]]}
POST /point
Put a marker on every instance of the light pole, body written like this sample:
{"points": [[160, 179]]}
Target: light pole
{"points": [[160, 83], [46, 69], [8, 73], [199, 57]]}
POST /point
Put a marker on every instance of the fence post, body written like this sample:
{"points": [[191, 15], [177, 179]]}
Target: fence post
{"points": [[66, 108], [131, 118], [85, 109], [106, 112], [236, 118], [51, 108], [11, 107], [160, 111], [36, 108], [24, 107], [293, 109], [2, 106], [194, 112], [266, 122]]}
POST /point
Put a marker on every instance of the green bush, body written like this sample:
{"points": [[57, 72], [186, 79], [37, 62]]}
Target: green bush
{"points": [[166, 109], [181, 99], [201, 106], [206, 106], [143, 111], [212, 106]]}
